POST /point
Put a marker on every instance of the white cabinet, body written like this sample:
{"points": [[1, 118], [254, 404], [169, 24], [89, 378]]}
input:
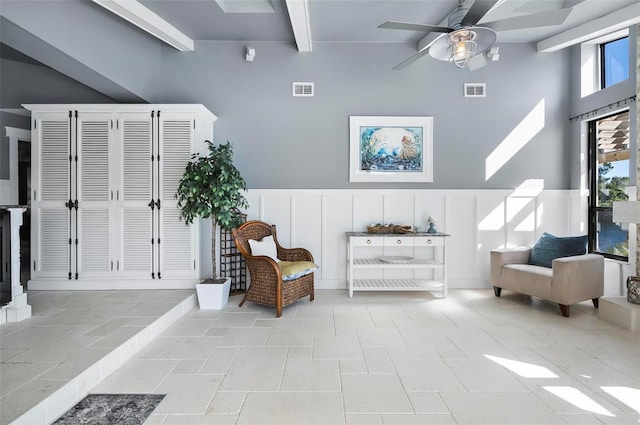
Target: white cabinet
{"points": [[396, 262], [103, 183]]}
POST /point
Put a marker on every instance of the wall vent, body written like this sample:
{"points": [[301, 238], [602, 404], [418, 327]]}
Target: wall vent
{"points": [[475, 89], [303, 89]]}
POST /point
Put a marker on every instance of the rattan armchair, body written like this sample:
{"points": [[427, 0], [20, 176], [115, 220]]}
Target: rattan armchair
{"points": [[267, 286]]}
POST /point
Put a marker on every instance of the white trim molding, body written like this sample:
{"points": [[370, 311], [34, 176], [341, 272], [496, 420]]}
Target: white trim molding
{"points": [[300, 23], [620, 19], [147, 20]]}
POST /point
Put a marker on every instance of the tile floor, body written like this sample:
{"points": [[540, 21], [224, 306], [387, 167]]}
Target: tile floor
{"points": [[389, 358]]}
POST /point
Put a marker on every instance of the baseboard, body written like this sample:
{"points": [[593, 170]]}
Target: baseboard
{"points": [[106, 285]]}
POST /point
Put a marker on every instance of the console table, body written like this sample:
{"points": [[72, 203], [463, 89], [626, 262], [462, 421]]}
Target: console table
{"points": [[396, 262]]}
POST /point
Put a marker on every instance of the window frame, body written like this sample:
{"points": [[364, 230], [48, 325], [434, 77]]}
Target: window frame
{"points": [[601, 62], [593, 208]]}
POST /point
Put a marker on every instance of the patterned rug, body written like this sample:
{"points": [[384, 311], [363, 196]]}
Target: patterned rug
{"points": [[111, 409]]}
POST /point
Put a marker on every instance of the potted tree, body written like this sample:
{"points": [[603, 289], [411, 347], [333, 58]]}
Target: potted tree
{"points": [[212, 187]]}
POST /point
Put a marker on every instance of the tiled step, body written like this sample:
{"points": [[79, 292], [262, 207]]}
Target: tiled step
{"points": [[620, 312], [48, 389]]}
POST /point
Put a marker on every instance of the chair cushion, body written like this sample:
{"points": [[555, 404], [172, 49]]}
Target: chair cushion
{"points": [[294, 269], [266, 246], [550, 247]]}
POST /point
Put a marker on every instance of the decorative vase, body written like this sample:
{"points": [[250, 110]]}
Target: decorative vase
{"points": [[213, 295], [432, 228]]}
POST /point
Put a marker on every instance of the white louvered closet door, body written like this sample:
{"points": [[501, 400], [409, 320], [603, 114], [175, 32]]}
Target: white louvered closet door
{"points": [[50, 217], [178, 242], [96, 195], [136, 133]]}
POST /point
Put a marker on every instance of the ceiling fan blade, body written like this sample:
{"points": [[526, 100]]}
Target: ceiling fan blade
{"points": [[543, 19], [395, 25], [479, 8], [411, 59]]}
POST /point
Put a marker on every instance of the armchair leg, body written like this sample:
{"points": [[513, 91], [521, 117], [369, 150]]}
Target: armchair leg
{"points": [[312, 296], [595, 302], [564, 309], [497, 291], [243, 300]]}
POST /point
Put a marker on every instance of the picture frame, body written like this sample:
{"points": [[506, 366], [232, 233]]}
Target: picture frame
{"points": [[390, 149]]}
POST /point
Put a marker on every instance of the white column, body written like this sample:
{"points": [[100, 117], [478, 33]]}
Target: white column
{"points": [[18, 309]]}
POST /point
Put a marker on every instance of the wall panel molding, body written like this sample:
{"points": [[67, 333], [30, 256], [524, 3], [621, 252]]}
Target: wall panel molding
{"points": [[478, 221]]}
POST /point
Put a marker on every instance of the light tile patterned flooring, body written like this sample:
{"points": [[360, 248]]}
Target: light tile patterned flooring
{"points": [[389, 358]]}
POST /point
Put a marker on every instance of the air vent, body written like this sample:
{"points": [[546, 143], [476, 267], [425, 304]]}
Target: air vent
{"points": [[475, 89], [303, 89]]}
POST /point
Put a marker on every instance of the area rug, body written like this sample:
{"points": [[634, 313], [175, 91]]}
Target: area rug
{"points": [[111, 409]]}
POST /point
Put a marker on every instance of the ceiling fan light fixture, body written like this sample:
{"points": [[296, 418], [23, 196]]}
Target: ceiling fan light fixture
{"points": [[461, 46]]}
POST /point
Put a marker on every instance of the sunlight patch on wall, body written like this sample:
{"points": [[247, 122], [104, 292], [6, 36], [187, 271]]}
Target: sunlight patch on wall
{"points": [[627, 395], [526, 370], [494, 220], [516, 140], [529, 188], [528, 224], [516, 206], [579, 399], [588, 60]]}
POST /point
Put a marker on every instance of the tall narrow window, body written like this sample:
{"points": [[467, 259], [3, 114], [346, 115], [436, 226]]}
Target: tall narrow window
{"points": [[609, 177], [614, 62]]}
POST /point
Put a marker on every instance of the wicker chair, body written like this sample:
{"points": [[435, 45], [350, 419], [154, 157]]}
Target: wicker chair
{"points": [[267, 286]]}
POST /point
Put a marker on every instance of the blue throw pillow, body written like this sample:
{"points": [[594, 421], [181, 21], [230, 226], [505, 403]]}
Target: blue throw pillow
{"points": [[550, 247]]}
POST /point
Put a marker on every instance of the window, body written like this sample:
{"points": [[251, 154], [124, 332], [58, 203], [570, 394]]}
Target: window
{"points": [[608, 180], [614, 62]]}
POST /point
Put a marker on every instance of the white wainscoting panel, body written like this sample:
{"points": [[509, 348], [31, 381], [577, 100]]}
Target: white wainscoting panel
{"points": [[337, 215], [477, 220]]}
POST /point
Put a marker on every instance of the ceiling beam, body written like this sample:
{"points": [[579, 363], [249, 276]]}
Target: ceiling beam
{"points": [[620, 19], [147, 20], [300, 23]]}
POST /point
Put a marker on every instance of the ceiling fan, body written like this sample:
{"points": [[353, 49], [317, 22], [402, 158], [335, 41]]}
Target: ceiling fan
{"points": [[462, 41]]}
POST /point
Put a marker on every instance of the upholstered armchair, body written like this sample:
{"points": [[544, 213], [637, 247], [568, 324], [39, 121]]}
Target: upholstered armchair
{"points": [[565, 281], [279, 276]]}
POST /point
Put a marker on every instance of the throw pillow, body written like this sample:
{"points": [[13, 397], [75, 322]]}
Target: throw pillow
{"points": [[294, 269], [550, 247], [266, 246]]}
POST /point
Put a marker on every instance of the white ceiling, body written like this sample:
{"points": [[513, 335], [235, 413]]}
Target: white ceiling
{"points": [[356, 20]]}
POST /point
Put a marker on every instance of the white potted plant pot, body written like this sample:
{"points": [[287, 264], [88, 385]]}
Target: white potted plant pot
{"points": [[213, 295]]}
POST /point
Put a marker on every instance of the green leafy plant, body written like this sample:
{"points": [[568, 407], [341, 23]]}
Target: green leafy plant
{"points": [[212, 187]]}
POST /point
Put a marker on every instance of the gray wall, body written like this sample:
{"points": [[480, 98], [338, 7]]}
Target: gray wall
{"points": [[28, 83], [286, 142]]}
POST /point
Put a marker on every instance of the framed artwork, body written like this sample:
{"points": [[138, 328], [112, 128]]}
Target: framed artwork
{"points": [[391, 149]]}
